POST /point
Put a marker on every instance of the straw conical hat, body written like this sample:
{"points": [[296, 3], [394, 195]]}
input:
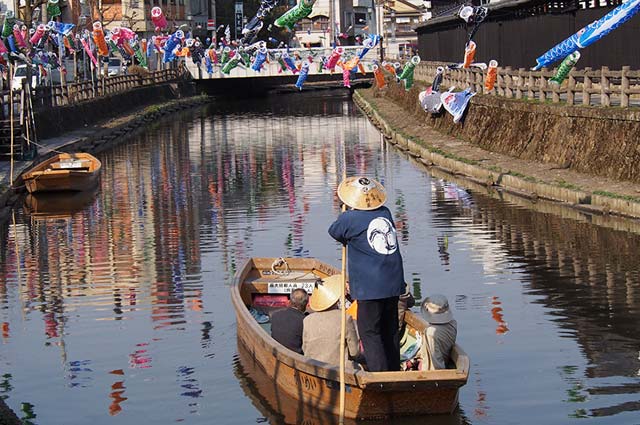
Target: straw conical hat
{"points": [[362, 193], [326, 293]]}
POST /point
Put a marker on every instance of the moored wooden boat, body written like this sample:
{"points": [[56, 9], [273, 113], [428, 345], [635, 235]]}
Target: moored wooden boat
{"points": [[368, 395], [63, 172]]}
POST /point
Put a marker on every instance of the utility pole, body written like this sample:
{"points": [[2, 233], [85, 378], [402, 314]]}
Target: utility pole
{"points": [[332, 23], [379, 6]]}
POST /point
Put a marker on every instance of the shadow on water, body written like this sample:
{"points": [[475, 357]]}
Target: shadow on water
{"points": [[279, 408]]}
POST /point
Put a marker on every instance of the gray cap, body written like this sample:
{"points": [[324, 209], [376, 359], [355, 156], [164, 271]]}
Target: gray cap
{"points": [[435, 309]]}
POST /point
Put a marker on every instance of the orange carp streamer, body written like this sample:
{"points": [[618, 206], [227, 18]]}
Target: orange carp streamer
{"points": [[98, 38], [469, 54], [389, 67], [492, 76], [379, 76]]}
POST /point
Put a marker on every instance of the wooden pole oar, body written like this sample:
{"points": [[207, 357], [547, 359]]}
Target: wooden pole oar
{"points": [[343, 311], [11, 71]]}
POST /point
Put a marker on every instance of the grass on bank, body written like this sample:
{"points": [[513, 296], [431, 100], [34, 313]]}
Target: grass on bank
{"points": [[558, 183]]}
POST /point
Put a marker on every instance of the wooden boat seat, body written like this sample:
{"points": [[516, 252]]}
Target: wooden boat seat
{"points": [[71, 165]]}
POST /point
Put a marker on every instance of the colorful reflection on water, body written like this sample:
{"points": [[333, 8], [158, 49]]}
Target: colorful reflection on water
{"points": [[114, 305]]}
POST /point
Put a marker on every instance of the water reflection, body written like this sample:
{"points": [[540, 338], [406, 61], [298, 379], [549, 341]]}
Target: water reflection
{"points": [[120, 307], [586, 276]]}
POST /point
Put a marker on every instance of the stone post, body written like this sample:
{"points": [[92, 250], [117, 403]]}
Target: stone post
{"points": [[530, 85], [586, 86], [571, 85], [624, 86], [508, 82], [543, 84], [520, 84], [605, 98]]}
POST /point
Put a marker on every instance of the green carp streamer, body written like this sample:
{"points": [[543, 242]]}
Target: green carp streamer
{"points": [[71, 40], [142, 58], [293, 15], [283, 66], [9, 22], [246, 57], [53, 9], [112, 45], [225, 55], [565, 67], [407, 72], [226, 69]]}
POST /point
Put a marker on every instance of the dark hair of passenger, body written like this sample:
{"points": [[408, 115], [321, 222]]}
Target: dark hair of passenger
{"points": [[299, 299]]}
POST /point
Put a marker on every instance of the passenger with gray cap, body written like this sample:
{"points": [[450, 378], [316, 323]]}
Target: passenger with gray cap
{"points": [[442, 330]]}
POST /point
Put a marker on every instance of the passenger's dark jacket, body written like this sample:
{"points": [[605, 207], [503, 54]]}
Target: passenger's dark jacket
{"points": [[286, 328]]}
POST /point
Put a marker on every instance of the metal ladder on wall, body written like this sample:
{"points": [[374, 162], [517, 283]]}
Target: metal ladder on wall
{"points": [[17, 125]]}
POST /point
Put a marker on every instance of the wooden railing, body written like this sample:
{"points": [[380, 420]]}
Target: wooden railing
{"points": [[584, 87], [70, 93]]}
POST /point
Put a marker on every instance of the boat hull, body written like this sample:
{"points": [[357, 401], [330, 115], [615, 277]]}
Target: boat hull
{"points": [[368, 395], [48, 176], [62, 183]]}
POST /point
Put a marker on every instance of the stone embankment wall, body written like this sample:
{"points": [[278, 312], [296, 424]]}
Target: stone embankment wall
{"points": [[593, 140], [53, 122], [7, 417]]}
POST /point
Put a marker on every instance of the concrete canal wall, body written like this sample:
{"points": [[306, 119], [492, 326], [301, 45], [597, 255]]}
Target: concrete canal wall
{"points": [[51, 122], [593, 140]]}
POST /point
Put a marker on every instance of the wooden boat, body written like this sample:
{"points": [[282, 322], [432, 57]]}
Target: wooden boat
{"points": [[63, 172], [368, 395]]}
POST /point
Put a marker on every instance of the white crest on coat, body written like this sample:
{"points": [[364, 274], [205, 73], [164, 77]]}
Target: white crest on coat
{"points": [[382, 236]]}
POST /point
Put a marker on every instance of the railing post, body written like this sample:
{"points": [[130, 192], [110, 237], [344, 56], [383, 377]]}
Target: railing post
{"points": [[555, 93], [520, 84], [531, 83], [571, 86], [542, 95], [586, 86], [508, 79], [605, 99], [624, 87]]}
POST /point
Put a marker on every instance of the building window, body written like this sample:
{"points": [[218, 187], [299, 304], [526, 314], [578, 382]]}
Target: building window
{"points": [[305, 24], [321, 23]]}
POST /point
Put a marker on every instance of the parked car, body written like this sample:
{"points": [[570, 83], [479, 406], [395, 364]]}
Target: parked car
{"points": [[115, 67], [20, 75]]}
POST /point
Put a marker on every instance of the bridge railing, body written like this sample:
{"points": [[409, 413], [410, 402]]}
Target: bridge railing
{"points": [[272, 68], [58, 95], [588, 86]]}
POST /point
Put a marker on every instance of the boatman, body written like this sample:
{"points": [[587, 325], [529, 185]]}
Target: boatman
{"points": [[376, 274]]}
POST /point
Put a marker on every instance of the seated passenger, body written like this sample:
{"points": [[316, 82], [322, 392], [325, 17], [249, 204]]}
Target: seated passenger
{"points": [[321, 333], [286, 323], [442, 330]]}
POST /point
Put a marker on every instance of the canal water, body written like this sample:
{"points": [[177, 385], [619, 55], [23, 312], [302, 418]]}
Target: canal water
{"points": [[115, 306]]}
